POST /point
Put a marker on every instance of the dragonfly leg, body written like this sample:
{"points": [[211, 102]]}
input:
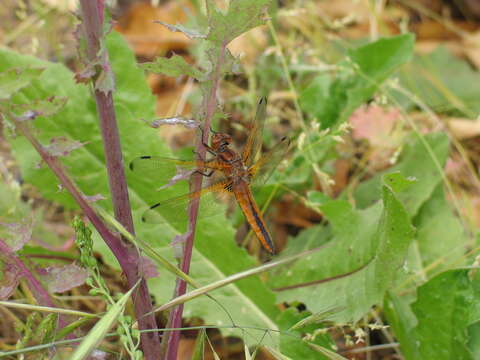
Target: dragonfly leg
{"points": [[199, 155], [204, 173]]}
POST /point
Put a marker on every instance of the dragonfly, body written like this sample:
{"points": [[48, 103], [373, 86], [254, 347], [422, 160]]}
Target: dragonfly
{"points": [[238, 172]]}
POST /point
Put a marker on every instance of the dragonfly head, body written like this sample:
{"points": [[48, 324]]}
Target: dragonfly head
{"points": [[220, 141]]}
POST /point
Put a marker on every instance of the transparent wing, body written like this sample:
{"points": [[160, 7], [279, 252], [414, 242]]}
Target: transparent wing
{"points": [[175, 210], [254, 141], [266, 165], [163, 169]]}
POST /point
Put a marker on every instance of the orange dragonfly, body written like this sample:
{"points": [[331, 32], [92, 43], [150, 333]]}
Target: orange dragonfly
{"points": [[239, 172]]}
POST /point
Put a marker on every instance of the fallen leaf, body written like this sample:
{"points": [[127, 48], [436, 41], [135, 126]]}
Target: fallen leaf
{"points": [[148, 38], [63, 278], [248, 45]]}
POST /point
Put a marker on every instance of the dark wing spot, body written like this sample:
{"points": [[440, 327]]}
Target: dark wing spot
{"points": [[141, 157]]}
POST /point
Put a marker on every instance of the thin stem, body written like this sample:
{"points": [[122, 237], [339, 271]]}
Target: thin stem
{"points": [[175, 318], [286, 71]]}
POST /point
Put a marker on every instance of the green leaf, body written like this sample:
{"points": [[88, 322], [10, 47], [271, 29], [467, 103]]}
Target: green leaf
{"points": [[440, 233], [379, 59], [416, 163], [361, 260], [14, 80], [332, 101], [435, 325], [443, 310], [309, 238], [474, 343], [241, 16], [291, 341], [402, 320], [215, 255], [173, 66], [443, 82]]}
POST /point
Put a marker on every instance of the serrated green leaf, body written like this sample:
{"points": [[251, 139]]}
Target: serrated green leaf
{"points": [[173, 66], [215, 255], [241, 16], [367, 248]]}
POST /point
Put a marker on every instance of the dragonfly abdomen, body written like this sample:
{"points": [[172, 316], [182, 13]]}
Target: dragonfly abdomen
{"points": [[253, 215]]}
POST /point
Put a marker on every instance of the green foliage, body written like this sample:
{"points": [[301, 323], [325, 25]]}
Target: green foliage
{"points": [[368, 247], [173, 66], [365, 247], [435, 325], [240, 17], [215, 255], [421, 160], [99, 331], [332, 100], [442, 81], [440, 234], [83, 238], [295, 343], [15, 79]]}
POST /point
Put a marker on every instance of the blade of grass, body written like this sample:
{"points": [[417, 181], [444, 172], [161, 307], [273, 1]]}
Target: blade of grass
{"points": [[98, 332], [230, 279], [46, 309]]}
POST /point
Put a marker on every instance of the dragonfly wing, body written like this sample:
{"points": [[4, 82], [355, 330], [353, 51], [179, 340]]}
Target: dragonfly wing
{"points": [[164, 169], [175, 210], [264, 167], [254, 141]]}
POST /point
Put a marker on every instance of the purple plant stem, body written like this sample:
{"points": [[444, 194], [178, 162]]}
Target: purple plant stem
{"points": [[125, 256], [41, 295], [93, 20], [175, 318]]}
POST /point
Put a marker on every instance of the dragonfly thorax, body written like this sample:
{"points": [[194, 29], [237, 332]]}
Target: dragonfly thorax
{"points": [[220, 142]]}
